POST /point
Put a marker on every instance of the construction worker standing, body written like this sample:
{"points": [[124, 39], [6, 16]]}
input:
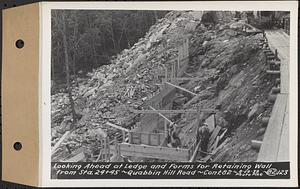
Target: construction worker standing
{"points": [[176, 142], [202, 135]]}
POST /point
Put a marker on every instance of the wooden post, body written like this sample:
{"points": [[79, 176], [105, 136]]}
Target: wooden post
{"points": [[199, 116], [275, 90], [175, 69], [117, 147], [166, 127], [272, 97], [105, 149], [265, 121], [108, 149], [149, 139], [129, 137], [166, 74], [123, 136], [178, 65], [256, 144], [158, 138], [140, 136], [273, 72]]}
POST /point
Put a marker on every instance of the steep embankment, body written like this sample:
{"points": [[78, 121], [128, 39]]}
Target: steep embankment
{"points": [[228, 66], [232, 72]]}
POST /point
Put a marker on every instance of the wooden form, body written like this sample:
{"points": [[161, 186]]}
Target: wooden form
{"points": [[177, 65], [151, 139], [145, 151]]}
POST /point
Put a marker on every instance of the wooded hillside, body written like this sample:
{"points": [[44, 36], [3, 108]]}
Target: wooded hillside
{"points": [[92, 37]]}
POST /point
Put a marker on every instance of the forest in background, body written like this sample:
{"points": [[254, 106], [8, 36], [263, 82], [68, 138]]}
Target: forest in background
{"points": [[86, 39]]}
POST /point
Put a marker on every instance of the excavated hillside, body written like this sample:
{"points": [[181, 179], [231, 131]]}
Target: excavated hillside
{"points": [[228, 67]]}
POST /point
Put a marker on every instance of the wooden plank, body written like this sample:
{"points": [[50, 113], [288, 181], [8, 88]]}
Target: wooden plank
{"points": [[185, 78], [273, 72], [181, 88], [116, 126], [213, 136], [195, 152], [223, 134], [171, 111], [215, 144], [206, 158], [76, 158], [284, 78], [211, 123], [156, 152], [161, 115], [283, 152], [53, 149], [269, 149]]}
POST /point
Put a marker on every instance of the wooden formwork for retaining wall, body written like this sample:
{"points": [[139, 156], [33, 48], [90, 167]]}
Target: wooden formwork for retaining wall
{"points": [[164, 99]]}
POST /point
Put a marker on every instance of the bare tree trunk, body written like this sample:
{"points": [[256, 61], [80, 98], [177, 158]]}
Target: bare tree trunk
{"points": [[76, 40], [155, 16], [112, 34], [75, 43], [65, 46], [128, 41], [95, 59], [122, 33]]}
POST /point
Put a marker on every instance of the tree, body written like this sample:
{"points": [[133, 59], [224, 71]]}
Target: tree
{"points": [[67, 66]]}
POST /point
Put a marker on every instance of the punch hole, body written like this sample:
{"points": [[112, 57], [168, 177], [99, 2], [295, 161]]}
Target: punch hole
{"points": [[17, 146], [19, 43]]}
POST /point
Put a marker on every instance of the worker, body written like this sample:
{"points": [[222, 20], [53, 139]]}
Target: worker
{"points": [[168, 138], [202, 135], [264, 34], [175, 140]]}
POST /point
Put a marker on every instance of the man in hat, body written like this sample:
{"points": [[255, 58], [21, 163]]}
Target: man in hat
{"points": [[202, 135], [176, 142]]}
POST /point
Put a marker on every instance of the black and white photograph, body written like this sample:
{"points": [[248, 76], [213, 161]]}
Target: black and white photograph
{"points": [[169, 86]]}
